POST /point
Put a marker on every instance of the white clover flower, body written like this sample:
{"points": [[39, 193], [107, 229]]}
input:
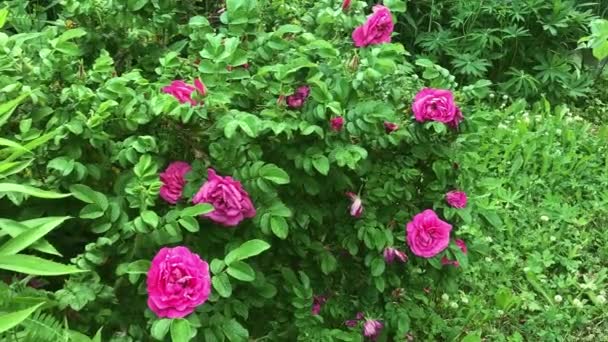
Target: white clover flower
{"points": [[558, 298], [505, 97], [544, 218], [454, 305], [526, 269], [558, 131], [576, 302], [502, 126], [489, 239], [492, 95], [601, 299], [500, 312], [445, 297], [464, 300]]}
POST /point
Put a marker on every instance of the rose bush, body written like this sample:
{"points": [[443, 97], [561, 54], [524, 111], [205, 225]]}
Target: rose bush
{"points": [[292, 117]]}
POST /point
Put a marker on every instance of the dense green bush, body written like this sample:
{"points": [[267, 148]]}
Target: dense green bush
{"points": [[93, 102], [322, 139]]}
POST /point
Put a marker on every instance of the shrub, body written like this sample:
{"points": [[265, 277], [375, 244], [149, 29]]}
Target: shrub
{"points": [[290, 119]]}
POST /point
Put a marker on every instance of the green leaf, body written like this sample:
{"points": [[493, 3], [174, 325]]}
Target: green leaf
{"points": [[14, 228], [88, 195], [246, 250], [3, 16], [189, 223], [30, 190], [71, 34], [472, 337], [396, 6], [150, 217], [181, 331], [378, 267], [328, 263], [7, 321], [32, 265], [138, 267], [199, 209], [97, 337], [7, 108], [136, 5], [321, 163], [279, 227], [222, 285], [234, 331], [217, 266], [241, 271], [91, 211], [160, 328], [27, 238], [274, 174]]}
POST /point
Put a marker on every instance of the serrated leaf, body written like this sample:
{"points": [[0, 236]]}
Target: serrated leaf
{"points": [[279, 227], [181, 331], [222, 285], [378, 266], [246, 250], [189, 223], [321, 163], [160, 328], [274, 174], [199, 209]]}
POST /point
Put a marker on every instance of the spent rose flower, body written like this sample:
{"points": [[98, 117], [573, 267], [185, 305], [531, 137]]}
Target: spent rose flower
{"points": [[376, 30], [178, 281], [427, 235], [297, 99], [457, 199], [463, 247], [173, 179], [436, 105], [356, 207], [317, 303], [230, 201], [354, 322], [455, 263], [336, 123], [183, 91], [390, 127], [390, 254], [346, 5], [372, 328]]}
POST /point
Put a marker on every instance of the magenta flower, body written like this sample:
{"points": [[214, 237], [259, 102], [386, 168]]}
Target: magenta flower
{"points": [[346, 5], [173, 179], [427, 235], [317, 303], [372, 328], [356, 207], [461, 245], [376, 30], [390, 254], [297, 99], [230, 201], [436, 105], [178, 281], [390, 127], [336, 123], [457, 199], [445, 261], [351, 323], [183, 91]]}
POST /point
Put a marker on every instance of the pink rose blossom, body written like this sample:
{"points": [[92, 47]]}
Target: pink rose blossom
{"points": [[457, 199], [336, 123], [372, 328], [390, 127], [461, 245], [376, 30], [317, 303], [183, 91], [346, 5], [390, 254], [297, 99], [351, 323], [427, 235], [356, 207], [178, 281], [436, 105], [173, 179], [230, 201]]}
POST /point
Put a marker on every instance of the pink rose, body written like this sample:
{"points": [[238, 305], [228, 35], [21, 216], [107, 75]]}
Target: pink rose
{"points": [[390, 254], [336, 123], [173, 179], [317, 303], [376, 30], [427, 235], [436, 105], [390, 127], [230, 201], [178, 281], [457, 199], [183, 91], [372, 328], [297, 99], [346, 5], [356, 207]]}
